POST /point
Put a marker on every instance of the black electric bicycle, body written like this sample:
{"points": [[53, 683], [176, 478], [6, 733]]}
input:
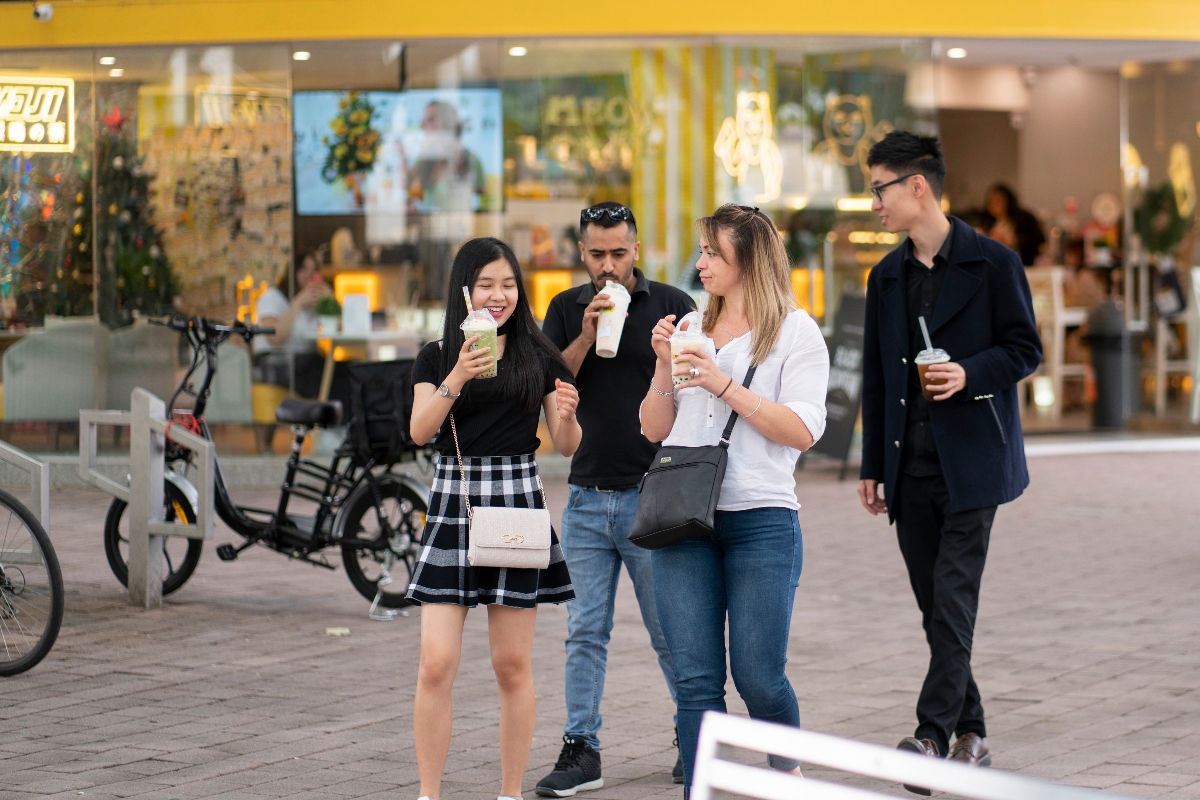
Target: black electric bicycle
{"points": [[365, 508], [31, 588]]}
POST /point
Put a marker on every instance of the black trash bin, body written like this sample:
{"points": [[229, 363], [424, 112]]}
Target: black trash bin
{"points": [[1116, 365]]}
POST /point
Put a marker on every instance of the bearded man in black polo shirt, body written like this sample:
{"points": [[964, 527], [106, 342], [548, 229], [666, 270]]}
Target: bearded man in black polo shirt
{"points": [[604, 477]]}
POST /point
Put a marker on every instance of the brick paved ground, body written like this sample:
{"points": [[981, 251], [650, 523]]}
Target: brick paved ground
{"points": [[1087, 651]]}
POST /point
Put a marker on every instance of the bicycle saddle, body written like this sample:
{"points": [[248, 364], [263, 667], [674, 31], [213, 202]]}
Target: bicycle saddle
{"points": [[324, 414]]}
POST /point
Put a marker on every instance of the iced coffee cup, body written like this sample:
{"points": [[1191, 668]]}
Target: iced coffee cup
{"points": [[481, 323], [612, 320], [923, 361], [692, 333]]}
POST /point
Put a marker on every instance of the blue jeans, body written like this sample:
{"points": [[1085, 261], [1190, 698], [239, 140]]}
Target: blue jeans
{"points": [[595, 527], [747, 572]]}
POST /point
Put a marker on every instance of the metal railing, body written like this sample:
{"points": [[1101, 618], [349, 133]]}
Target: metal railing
{"points": [[148, 433], [39, 479]]}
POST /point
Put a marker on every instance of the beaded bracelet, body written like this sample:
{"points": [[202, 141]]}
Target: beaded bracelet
{"points": [[660, 392]]}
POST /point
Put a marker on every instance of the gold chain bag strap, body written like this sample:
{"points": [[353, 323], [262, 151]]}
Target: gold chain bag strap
{"points": [[504, 537]]}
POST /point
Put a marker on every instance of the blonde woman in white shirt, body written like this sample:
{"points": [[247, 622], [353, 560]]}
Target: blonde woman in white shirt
{"points": [[748, 571]]}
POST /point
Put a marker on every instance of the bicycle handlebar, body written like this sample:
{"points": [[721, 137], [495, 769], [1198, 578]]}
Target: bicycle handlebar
{"points": [[204, 336], [205, 329]]}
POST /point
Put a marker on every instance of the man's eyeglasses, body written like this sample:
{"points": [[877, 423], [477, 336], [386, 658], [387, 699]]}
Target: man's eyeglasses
{"points": [[597, 213], [878, 190]]}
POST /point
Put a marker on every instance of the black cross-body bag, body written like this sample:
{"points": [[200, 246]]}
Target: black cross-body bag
{"points": [[677, 498]]}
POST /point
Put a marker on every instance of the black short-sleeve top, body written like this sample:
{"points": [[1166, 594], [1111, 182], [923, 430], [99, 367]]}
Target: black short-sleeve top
{"points": [[488, 422]]}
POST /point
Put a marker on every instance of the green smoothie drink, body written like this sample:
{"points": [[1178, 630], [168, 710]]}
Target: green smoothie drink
{"points": [[481, 323]]}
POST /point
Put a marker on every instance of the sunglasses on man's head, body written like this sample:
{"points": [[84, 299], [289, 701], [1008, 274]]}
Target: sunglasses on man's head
{"points": [[597, 213]]}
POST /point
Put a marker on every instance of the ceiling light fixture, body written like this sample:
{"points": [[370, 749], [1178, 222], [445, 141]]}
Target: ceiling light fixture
{"points": [[107, 61], [116, 72], [956, 52], [301, 55], [518, 51]]}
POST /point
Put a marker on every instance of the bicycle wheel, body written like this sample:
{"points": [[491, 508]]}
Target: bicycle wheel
{"points": [[180, 555], [394, 530], [31, 588]]}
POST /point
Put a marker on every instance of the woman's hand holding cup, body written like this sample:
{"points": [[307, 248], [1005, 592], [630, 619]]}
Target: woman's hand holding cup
{"points": [[472, 362], [694, 366]]}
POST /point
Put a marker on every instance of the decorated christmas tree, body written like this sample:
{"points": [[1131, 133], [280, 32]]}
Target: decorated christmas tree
{"points": [[69, 285], [135, 275]]}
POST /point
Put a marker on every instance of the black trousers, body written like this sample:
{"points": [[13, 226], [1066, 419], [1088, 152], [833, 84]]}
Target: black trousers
{"points": [[945, 554]]}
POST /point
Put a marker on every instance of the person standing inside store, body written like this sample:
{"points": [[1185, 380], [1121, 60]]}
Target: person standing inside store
{"points": [[943, 463], [493, 423], [445, 183], [747, 571], [605, 471], [1006, 221]]}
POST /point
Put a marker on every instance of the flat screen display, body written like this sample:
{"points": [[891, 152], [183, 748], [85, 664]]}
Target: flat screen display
{"points": [[416, 152]]}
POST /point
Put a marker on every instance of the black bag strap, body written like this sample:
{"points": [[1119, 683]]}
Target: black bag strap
{"points": [[733, 414]]}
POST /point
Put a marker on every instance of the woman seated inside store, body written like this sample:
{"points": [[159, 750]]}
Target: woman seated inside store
{"points": [[290, 353]]}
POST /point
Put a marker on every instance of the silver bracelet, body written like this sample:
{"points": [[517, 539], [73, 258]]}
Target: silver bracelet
{"points": [[756, 408], [660, 392]]}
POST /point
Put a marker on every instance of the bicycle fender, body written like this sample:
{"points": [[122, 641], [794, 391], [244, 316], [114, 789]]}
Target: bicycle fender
{"points": [[184, 485]]}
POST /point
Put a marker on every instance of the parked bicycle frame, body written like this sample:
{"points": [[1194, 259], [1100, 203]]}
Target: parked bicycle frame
{"points": [[372, 513], [31, 588]]}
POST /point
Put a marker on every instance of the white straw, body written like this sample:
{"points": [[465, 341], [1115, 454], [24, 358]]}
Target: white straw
{"points": [[467, 297], [925, 333]]}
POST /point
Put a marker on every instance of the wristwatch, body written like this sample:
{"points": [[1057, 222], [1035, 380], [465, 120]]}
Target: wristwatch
{"points": [[444, 391]]}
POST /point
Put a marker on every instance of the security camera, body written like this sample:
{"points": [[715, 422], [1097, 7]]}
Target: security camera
{"points": [[43, 12]]}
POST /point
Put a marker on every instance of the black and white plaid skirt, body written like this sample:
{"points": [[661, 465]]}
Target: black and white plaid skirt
{"points": [[442, 574]]}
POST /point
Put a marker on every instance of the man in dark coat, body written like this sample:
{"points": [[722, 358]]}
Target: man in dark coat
{"points": [[944, 462]]}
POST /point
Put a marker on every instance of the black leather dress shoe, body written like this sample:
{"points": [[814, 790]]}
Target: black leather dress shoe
{"points": [[971, 749], [922, 747]]}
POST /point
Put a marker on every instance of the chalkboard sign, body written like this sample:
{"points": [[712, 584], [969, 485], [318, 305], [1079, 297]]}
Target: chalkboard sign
{"points": [[845, 380]]}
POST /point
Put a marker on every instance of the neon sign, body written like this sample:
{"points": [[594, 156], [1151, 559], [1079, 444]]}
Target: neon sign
{"points": [[37, 115], [746, 144]]}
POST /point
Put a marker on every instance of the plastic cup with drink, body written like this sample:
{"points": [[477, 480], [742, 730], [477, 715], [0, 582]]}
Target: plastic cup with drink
{"points": [[612, 320], [691, 333], [926, 358], [482, 324]]}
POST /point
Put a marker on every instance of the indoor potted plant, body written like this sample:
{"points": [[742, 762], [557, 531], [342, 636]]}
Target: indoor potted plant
{"points": [[329, 313], [1161, 226]]}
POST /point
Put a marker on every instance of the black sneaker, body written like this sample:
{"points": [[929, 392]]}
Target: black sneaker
{"points": [[677, 770], [577, 770]]}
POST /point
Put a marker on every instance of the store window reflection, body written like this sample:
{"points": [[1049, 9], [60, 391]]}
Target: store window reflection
{"points": [[45, 222]]}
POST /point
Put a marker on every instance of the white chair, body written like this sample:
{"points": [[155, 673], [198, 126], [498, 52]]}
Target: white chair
{"points": [[1055, 318], [718, 773], [230, 400], [1164, 366], [144, 355], [51, 375]]}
